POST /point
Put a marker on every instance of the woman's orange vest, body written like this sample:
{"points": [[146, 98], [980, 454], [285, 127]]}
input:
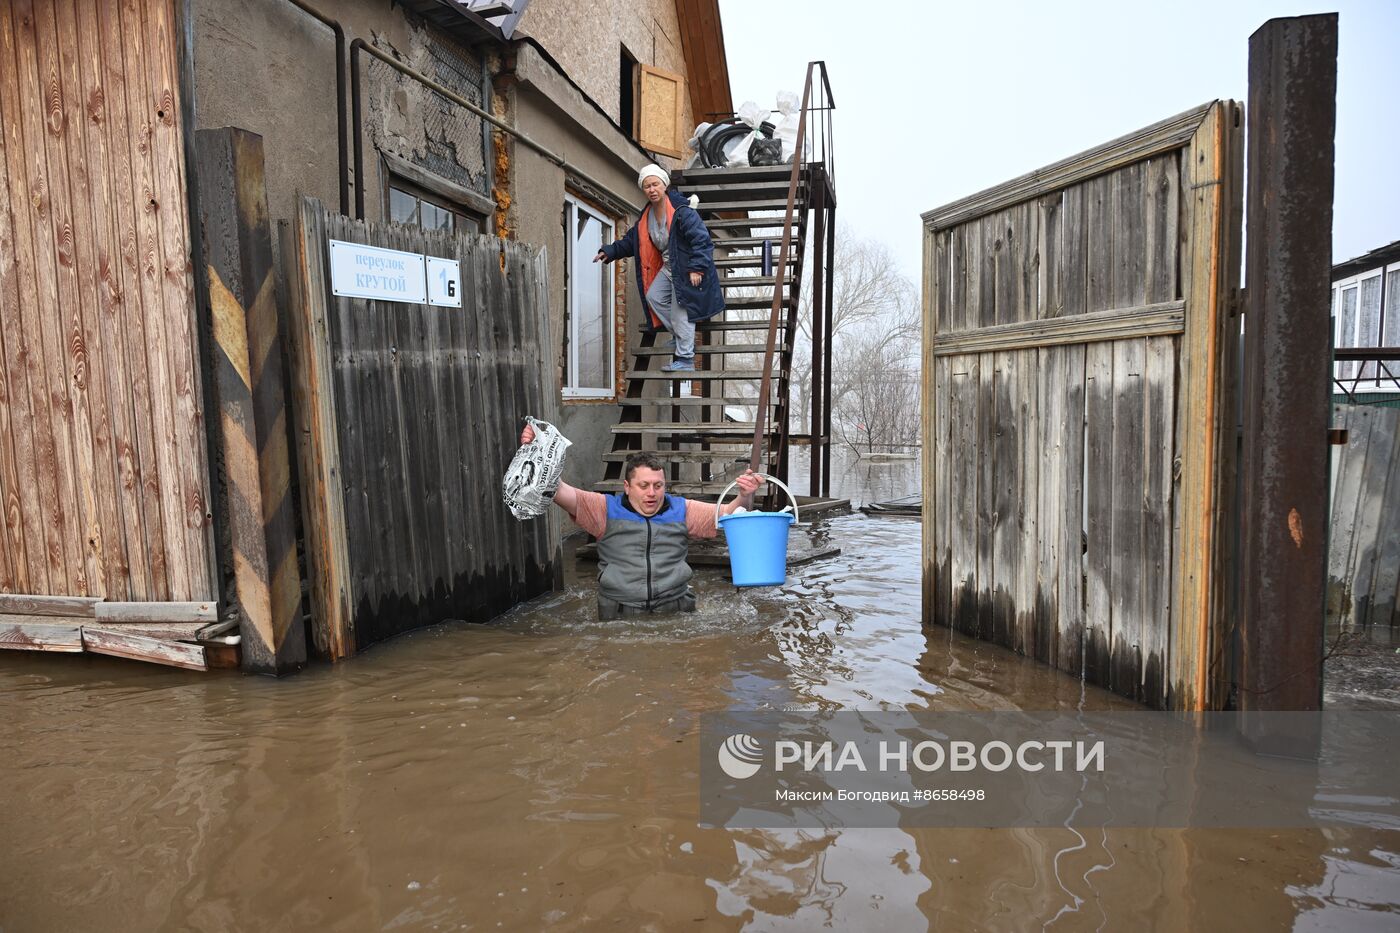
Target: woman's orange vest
{"points": [[649, 256]]}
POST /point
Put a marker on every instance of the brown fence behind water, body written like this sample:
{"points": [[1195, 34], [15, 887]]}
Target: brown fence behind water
{"points": [[408, 415], [1078, 371], [1363, 561]]}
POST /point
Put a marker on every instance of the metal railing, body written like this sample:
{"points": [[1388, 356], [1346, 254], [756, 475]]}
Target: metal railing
{"points": [[822, 145], [1381, 356]]}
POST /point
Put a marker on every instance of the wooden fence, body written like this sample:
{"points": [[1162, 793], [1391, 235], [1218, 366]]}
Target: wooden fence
{"points": [[103, 476], [1078, 372], [408, 416], [1363, 561]]}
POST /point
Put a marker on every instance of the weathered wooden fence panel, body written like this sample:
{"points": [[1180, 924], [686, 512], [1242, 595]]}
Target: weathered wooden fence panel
{"points": [[408, 416], [1078, 346], [103, 476], [1363, 561]]}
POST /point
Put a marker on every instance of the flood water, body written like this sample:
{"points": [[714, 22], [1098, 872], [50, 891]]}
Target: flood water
{"points": [[541, 773]]}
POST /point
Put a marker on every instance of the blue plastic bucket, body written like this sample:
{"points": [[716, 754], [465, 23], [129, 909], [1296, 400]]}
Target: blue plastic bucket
{"points": [[758, 544]]}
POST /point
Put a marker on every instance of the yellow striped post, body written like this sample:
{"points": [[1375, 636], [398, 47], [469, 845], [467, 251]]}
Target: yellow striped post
{"points": [[257, 536]]}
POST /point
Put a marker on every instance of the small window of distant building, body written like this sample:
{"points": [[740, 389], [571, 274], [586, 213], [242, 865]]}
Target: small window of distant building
{"points": [[589, 304], [418, 207]]}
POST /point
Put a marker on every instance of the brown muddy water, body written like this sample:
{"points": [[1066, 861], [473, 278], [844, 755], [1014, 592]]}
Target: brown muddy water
{"points": [[541, 773]]}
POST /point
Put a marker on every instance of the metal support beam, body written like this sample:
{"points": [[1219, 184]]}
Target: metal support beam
{"points": [[1283, 482], [826, 326], [817, 185]]}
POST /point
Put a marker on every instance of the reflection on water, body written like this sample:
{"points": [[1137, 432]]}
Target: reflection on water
{"points": [[541, 773]]}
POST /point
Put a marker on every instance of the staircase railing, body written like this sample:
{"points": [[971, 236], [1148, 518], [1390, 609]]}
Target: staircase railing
{"points": [[821, 150]]}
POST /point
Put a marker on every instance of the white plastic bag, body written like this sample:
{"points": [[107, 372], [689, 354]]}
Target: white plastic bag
{"points": [[533, 476], [785, 126]]}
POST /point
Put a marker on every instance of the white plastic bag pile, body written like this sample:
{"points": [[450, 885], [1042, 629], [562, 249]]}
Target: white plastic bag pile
{"points": [[783, 118], [533, 476]]}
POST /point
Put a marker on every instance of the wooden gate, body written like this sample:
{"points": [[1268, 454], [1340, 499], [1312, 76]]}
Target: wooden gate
{"points": [[1080, 358], [103, 474], [408, 415]]}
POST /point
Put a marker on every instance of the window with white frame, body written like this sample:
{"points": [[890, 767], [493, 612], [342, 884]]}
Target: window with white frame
{"points": [[589, 331], [1366, 313]]}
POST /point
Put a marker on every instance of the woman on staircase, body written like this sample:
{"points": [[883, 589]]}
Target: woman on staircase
{"points": [[676, 272]]}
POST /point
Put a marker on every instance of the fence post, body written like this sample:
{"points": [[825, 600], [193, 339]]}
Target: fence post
{"points": [[253, 480], [1283, 480]]}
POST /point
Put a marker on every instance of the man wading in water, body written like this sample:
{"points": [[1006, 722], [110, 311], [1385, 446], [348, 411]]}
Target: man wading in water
{"points": [[642, 535]]}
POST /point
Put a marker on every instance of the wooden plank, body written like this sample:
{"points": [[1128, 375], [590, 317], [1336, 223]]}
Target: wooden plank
{"points": [[1162, 136], [1198, 412], [1004, 443], [1069, 368], [144, 648], [147, 199], [1162, 319], [72, 606], [66, 315], [939, 510], [1159, 450], [40, 636], [1126, 527], [48, 374], [167, 631], [141, 470], [1346, 508], [1098, 511], [1385, 579], [318, 448], [985, 501], [1074, 264], [103, 544], [1128, 274], [121, 516], [1027, 417], [1370, 532], [1099, 230], [1162, 189], [19, 560], [177, 284], [964, 455], [1050, 249], [110, 613]]}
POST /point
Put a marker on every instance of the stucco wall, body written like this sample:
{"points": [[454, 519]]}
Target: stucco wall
{"points": [[585, 39]]}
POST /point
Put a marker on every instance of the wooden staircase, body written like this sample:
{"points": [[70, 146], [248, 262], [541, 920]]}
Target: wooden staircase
{"points": [[706, 433]]}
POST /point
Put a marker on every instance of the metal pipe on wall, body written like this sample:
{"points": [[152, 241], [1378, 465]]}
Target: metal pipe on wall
{"points": [[340, 128]]}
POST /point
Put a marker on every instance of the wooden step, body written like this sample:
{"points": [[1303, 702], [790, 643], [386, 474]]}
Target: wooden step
{"points": [[713, 428], [713, 375], [753, 281], [747, 190], [733, 455], [707, 350], [758, 204], [754, 242], [756, 301], [754, 261], [700, 175], [695, 400], [712, 326], [752, 223]]}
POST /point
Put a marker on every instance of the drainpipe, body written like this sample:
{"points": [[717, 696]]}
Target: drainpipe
{"points": [[359, 45], [344, 166]]}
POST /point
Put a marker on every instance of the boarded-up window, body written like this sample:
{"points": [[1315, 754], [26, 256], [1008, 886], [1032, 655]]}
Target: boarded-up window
{"points": [[659, 126]]}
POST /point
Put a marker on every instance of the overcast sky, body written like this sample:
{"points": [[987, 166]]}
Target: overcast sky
{"points": [[936, 101]]}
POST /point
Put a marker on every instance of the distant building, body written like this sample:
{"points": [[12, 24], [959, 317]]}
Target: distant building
{"points": [[1366, 313]]}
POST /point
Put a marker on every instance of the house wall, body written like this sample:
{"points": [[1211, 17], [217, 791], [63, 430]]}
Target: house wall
{"points": [[587, 46], [267, 67]]}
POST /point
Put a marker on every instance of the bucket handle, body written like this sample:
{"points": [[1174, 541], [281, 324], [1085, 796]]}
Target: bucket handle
{"points": [[772, 479]]}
